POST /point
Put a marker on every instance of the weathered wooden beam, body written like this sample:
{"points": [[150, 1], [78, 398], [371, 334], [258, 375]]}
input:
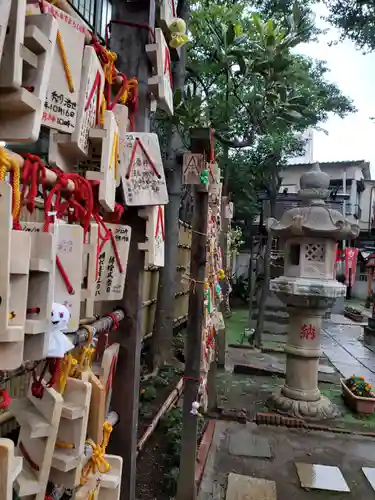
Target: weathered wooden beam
{"points": [[186, 487]]}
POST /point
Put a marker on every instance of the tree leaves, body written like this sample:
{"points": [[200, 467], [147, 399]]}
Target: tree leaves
{"points": [[230, 35]]}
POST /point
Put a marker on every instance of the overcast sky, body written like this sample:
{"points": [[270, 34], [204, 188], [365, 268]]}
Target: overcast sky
{"points": [[352, 138]]}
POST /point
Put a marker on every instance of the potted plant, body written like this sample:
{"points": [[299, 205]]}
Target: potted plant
{"points": [[358, 394], [354, 314]]}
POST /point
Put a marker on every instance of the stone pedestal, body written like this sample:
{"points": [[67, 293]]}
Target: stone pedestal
{"points": [[309, 290], [307, 301]]}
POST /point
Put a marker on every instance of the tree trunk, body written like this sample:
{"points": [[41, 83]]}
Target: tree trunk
{"points": [[264, 293], [250, 277], [266, 266], [162, 339]]}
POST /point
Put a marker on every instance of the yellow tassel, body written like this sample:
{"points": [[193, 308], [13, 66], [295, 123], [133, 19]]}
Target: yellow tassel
{"points": [[66, 446], [110, 66], [8, 163], [65, 61], [67, 370], [114, 154], [97, 462]]}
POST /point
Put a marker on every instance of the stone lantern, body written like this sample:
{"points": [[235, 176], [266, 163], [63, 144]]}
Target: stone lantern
{"points": [[309, 289]]}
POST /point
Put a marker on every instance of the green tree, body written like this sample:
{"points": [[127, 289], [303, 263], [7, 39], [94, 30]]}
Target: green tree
{"points": [[355, 19], [245, 80]]}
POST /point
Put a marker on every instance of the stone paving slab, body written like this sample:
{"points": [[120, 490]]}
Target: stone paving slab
{"points": [[321, 477], [247, 444], [348, 452], [369, 472], [250, 488]]}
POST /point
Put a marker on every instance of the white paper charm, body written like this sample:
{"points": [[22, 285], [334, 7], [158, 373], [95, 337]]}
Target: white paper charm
{"points": [[59, 344]]}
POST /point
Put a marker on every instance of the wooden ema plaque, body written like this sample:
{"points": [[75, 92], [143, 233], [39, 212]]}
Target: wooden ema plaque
{"points": [[60, 153], [161, 84], [60, 107], [110, 282], [14, 279], [122, 118], [4, 17], [104, 486], [66, 464], [215, 188], [167, 13], [11, 61], [155, 235], [22, 107], [97, 409], [89, 271], [10, 468], [90, 96], [40, 292], [106, 141], [144, 180], [229, 210], [39, 421], [108, 371], [193, 166], [69, 251]]}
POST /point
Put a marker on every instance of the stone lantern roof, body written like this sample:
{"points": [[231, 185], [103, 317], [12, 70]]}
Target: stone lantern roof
{"points": [[313, 218]]}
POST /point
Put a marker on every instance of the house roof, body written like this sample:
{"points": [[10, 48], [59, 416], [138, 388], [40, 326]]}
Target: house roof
{"points": [[365, 165]]}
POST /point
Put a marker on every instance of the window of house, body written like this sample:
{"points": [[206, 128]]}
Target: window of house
{"points": [[96, 13]]}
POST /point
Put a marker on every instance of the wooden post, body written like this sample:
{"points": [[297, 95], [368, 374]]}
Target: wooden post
{"points": [[186, 487], [225, 226], [129, 43], [125, 397]]}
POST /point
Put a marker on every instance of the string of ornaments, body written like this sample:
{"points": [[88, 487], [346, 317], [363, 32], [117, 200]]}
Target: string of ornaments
{"points": [[212, 298]]}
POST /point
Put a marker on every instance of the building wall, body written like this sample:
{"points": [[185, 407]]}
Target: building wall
{"points": [[367, 201], [307, 156], [292, 174]]}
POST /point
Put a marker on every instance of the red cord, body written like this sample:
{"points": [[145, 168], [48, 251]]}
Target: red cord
{"points": [[33, 310], [105, 235], [95, 87], [115, 216], [120, 92], [41, 6], [37, 386], [212, 145], [27, 457], [115, 251], [192, 379], [33, 174], [78, 205], [5, 399], [111, 372], [168, 66], [116, 322], [99, 49], [64, 276], [145, 152], [160, 223]]}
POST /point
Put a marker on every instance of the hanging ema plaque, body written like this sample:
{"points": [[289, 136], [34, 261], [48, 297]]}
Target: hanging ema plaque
{"points": [[60, 106], [144, 180]]}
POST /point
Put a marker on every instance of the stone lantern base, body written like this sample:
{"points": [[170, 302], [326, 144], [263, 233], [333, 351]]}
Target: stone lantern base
{"points": [[321, 409], [306, 301]]}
